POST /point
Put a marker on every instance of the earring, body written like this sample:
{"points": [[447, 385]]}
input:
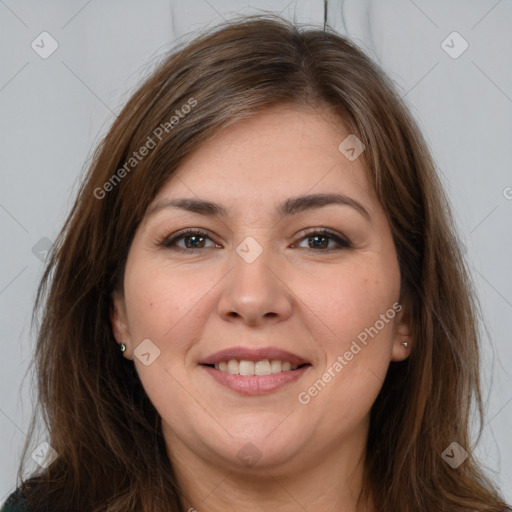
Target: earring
{"points": [[405, 344], [122, 347]]}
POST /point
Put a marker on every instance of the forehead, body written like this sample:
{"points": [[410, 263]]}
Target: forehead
{"points": [[279, 152]]}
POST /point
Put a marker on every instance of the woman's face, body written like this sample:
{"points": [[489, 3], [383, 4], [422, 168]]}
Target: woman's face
{"points": [[260, 291]]}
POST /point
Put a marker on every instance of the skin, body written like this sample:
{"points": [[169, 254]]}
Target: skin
{"points": [[313, 303]]}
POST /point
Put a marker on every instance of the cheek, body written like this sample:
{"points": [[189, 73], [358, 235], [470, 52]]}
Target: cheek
{"points": [[358, 313], [352, 298], [163, 299], [167, 307]]}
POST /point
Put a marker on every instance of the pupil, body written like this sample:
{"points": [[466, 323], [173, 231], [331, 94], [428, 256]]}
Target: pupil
{"points": [[316, 239], [188, 238]]}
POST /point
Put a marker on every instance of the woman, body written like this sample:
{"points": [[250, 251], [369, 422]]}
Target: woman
{"points": [[257, 301]]}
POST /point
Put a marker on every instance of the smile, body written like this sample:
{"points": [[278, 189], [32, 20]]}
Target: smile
{"points": [[248, 368], [245, 383]]}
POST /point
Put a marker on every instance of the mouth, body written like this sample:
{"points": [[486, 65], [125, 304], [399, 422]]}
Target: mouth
{"points": [[248, 368], [255, 371]]}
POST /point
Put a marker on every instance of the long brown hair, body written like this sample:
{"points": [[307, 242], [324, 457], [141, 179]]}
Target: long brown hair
{"points": [[106, 432]]}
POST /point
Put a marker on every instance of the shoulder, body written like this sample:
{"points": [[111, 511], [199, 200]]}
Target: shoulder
{"points": [[15, 502]]}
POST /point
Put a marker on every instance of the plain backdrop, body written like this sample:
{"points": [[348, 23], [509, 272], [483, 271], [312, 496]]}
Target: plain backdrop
{"points": [[451, 61]]}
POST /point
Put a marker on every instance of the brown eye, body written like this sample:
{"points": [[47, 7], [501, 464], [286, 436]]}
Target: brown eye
{"points": [[319, 240], [193, 239]]}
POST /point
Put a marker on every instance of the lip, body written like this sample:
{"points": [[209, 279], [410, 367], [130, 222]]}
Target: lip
{"points": [[255, 355], [256, 384]]}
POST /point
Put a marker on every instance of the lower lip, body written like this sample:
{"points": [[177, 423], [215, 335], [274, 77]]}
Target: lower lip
{"points": [[255, 384]]}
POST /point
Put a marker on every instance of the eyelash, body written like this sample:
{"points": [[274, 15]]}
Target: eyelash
{"points": [[170, 242]]}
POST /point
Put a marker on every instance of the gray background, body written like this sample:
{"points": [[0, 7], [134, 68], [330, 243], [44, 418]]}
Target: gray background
{"points": [[53, 111]]}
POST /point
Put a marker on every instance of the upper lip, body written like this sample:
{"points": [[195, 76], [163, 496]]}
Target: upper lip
{"points": [[253, 354]]}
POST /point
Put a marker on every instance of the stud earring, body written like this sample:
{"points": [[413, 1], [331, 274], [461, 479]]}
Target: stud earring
{"points": [[122, 347], [405, 344]]}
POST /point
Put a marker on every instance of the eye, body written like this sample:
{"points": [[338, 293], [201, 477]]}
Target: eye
{"points": [[318, 241], [193, 239]]}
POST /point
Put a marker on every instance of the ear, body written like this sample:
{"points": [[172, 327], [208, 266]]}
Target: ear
{"points": [[403, 333], [119, 323]]}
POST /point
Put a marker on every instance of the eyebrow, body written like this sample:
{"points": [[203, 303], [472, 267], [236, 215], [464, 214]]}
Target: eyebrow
{"points": [[291, 206]]}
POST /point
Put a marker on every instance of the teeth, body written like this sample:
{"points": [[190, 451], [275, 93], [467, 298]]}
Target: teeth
{"points": [[247, 368], [262, 368], [233, 367], [276, 366]]}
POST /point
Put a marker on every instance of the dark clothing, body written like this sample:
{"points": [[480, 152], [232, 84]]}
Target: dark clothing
{"points": [[15, 503]]}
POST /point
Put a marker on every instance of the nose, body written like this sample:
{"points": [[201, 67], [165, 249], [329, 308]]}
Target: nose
{"points": [[255, 292]]}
